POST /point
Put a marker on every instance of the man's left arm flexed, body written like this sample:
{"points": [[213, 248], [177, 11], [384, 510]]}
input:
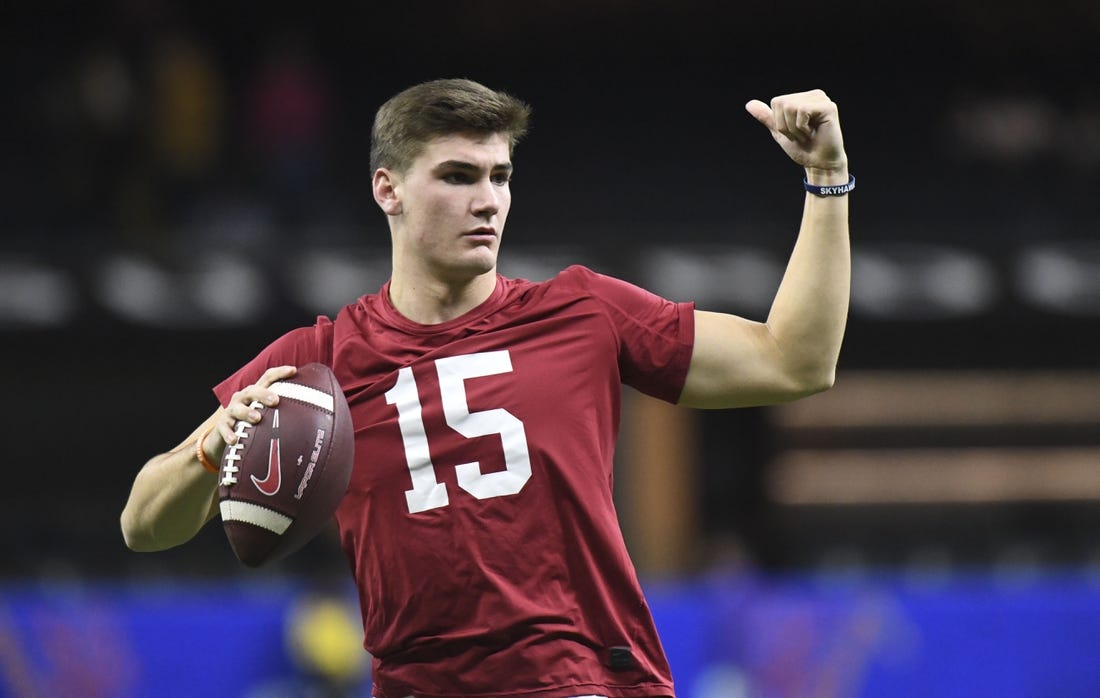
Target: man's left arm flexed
{"points": [[738, 362]]}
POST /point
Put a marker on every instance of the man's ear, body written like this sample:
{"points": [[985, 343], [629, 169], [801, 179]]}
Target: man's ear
{"points": [[384, 185]]}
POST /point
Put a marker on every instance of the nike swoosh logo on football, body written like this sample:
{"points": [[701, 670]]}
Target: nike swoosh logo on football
{"points": [[271, 482]]}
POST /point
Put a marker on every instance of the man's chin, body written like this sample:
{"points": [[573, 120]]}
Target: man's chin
{"points": [[473, 265], [482, 261]]}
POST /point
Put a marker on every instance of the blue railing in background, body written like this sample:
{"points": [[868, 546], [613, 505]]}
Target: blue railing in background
{"points": [[726, 636]]}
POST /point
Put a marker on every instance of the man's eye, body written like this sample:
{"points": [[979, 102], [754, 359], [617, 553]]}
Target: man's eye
{"points": [[502, 179], [456, 178]]}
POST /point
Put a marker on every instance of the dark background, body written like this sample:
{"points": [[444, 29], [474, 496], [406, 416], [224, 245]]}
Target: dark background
{"points": [[151, 147]]}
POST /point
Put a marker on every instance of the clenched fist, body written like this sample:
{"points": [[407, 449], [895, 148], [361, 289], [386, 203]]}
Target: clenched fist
{"points": [[807, 126]]}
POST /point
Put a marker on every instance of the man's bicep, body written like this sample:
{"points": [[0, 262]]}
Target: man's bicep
{"points": [[735, 362]]}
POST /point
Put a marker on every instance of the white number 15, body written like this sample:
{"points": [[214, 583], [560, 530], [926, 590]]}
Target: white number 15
{"points": [[427, 492]]}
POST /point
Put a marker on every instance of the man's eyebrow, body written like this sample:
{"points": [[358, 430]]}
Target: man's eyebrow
{"points": [[469, 166]]}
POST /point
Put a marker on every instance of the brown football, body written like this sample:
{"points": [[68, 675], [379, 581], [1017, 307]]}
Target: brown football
{"points": [[283, 479]]}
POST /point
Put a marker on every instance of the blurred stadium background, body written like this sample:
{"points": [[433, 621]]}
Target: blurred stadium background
{"points": [[183, 183]]}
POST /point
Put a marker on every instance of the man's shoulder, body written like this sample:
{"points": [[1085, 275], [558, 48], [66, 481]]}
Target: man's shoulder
{"points": [[584, 282], [576, 278], [577, 273], [363, 305], [571, 285]]}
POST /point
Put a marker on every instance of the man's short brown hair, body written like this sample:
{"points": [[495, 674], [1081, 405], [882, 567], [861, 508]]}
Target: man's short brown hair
{"points": [[405, 123]]}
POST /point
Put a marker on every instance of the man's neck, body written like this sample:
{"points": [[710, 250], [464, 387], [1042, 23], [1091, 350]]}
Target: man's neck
{"points": [[432, 301]]}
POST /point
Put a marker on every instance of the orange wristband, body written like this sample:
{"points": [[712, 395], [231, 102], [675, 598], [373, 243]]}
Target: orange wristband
{"points": [[201, 454]]}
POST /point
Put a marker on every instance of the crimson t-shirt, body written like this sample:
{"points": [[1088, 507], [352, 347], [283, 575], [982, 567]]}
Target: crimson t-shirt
{"points": [[479, 521]]}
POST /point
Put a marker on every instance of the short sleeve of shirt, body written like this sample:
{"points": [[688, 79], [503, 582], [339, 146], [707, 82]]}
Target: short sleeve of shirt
{"points": [[655, 335], [295, 348]]}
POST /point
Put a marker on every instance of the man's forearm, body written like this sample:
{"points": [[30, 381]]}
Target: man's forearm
{"points": [[171, 499], [810, 310]]}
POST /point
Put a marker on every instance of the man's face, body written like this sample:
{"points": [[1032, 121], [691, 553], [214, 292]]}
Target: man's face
{"points": [[454, 199]]}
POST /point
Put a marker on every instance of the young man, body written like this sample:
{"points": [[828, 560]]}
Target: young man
{"points": [[479, 521]]}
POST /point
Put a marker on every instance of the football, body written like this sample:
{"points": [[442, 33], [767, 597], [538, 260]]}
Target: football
{"points": [[283, 479]]}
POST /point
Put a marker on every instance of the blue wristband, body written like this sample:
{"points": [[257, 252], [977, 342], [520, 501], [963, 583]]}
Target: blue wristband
{"points": [[830, 189]]}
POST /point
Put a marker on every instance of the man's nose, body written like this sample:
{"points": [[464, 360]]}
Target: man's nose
{"points": [[486, 201]]}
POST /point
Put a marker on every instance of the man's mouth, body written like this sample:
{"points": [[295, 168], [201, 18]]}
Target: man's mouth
{"points": [[485, 232]]}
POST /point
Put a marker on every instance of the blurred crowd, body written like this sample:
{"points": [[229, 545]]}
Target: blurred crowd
{"points": [[147, 128], [151, 118]]}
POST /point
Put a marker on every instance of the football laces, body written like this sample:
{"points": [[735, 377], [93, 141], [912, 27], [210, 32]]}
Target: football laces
{"points": [[233, 453]]}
